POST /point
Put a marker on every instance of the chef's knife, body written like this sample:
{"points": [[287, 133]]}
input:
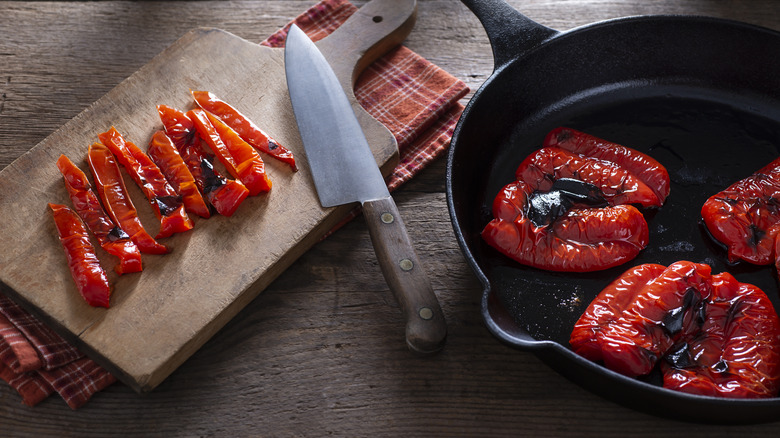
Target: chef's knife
{"points": [[345, 171]]}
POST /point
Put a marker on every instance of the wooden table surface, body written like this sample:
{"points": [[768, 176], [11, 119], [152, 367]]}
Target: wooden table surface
{"points": [[321, 351]]}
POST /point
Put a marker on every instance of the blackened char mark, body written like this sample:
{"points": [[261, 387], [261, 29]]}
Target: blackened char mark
{"points": [[545, 207], [168, 204], [211, 179]]}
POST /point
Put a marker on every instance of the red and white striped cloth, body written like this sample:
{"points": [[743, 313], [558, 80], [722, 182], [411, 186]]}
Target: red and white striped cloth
{"points": [[416, 100]]}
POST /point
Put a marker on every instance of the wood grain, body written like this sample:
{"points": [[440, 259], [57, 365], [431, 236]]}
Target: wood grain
{"points": [[321, 351]]}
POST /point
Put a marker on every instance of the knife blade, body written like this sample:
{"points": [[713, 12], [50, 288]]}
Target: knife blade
{"points": [[345, 171]]}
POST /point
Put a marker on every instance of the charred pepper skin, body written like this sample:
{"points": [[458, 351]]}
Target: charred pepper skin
{"points": [[710, 334], [89, 276], [571, 212], [112, 191], [746, 217], [247, 129], [164, 153], [165, 202], [619, 185], [736, 352], [223, 194], [110, 237], [238, 157], [581, 240], [646, 168]]}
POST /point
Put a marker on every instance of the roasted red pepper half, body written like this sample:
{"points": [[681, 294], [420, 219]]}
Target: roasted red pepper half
{"points": [[238, 157], [618, 184], [111, 238], [710, 334], [646, 168], [112, 191], [552, 236], [166, 203], [736, 351], [746, 217], [163, 152], [247, 129], [569, 212], [90, 278], [223, 194]]}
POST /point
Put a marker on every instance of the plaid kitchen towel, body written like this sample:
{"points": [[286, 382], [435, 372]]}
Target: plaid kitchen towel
{"points": [[415, 99]]}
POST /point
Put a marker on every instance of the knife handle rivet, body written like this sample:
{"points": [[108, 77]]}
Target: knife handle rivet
{"points": [[387, 218], [406, 265], [425, 313]]}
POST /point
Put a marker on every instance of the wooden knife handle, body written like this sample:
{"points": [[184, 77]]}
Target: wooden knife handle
{"points": [[426, 329]]}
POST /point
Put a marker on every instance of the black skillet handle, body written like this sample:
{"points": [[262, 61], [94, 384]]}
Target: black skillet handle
{"points": [[511, 33]]}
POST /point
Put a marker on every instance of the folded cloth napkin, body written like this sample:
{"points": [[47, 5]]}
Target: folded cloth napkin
{"points": [[416, 100]]}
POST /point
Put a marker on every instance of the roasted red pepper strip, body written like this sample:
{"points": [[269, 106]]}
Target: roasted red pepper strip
{"points": [[111, 238], [710, 334], [112, 191], [166, 203], [581, 240], [250, 132], [745, 216], [238, 157], [646, 168], [90, 278], [619, 185], [163, 152], [225, 195]]}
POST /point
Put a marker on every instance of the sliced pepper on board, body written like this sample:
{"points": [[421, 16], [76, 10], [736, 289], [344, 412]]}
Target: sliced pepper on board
{"points": [[91, 280], [710, 334], [110, 237], [223, 194], [112, 191], [238, 157], [166, 203], [247, 129], [163, 152]]}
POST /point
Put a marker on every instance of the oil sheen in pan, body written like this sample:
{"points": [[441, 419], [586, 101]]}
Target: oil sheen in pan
{"points": [[705, 144]]}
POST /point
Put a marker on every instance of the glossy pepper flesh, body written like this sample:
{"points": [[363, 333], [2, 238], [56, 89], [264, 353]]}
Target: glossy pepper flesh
{"points": [[710, 334], [238, 157], [746, 217], [166, 203], [575, 240], [223, 194], [112, 191], [247, 129], [110, 237], [646, 168], [164, 153], [569, 212], [90, 278]]}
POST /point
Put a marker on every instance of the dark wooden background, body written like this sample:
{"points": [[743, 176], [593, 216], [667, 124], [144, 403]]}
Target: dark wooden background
{"points": [[321, 351]]}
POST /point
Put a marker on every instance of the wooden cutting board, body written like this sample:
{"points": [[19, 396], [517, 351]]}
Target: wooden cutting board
{"points": [[161, 316]]}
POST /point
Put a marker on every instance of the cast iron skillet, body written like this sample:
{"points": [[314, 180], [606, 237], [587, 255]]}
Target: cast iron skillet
{"points": [[700, 95]]}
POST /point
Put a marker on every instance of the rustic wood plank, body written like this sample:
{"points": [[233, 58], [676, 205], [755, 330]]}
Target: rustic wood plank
{"points": [[320, 351]]}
